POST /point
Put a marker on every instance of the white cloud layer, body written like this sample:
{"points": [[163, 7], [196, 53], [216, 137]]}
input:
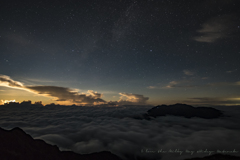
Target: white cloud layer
{"points": [[92, 129]]}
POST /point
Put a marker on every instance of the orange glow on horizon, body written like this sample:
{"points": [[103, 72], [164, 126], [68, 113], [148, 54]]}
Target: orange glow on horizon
{"points": [[7, 101]]}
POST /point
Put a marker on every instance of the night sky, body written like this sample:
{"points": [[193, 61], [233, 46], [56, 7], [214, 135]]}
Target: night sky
{"points": [[120, 52]]}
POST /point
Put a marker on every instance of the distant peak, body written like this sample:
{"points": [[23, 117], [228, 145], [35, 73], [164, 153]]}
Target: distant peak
{"points": [[17, 129]]}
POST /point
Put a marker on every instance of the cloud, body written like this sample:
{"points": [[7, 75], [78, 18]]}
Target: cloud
{"points": [[217, 28], [135, 98], [172, 84], [7, 101], [31, 80], [184, 83], [152, 87], [66, 94], [189, 84], [59, 93], [95, 94], [130, 99], [8, 82], [231, 71], [175, 84], [224, 84], [213, 101], [179, 84], [187, 72], [18, 39], [90, 129], [72, 95]]}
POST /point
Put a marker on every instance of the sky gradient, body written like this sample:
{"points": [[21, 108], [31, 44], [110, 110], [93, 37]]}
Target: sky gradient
{"points": [[120, 52]]}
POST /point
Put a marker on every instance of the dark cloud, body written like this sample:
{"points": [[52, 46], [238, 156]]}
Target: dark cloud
{"points": [[180, 84], [225, 84], [172, 84], [217, 28], [213, 101], [18, 39], [187, 72], [175, 84], [192, 84], [152, 87]]}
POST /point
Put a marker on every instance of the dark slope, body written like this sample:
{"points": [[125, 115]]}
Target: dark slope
{"points": [[16, 144]]}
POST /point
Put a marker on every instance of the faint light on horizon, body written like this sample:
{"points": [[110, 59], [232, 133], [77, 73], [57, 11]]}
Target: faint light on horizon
{"points": [[7, 101], [236, 99]]}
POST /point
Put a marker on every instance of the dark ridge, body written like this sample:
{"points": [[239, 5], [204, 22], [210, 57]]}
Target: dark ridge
{"points": [[217, 157], [16, 144], [184, 110]]}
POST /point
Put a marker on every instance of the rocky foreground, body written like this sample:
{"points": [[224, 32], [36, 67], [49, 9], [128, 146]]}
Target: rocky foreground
{"points": [[17, 145]]}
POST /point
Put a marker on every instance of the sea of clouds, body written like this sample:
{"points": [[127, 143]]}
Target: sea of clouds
{"points": [[93, 129]]}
